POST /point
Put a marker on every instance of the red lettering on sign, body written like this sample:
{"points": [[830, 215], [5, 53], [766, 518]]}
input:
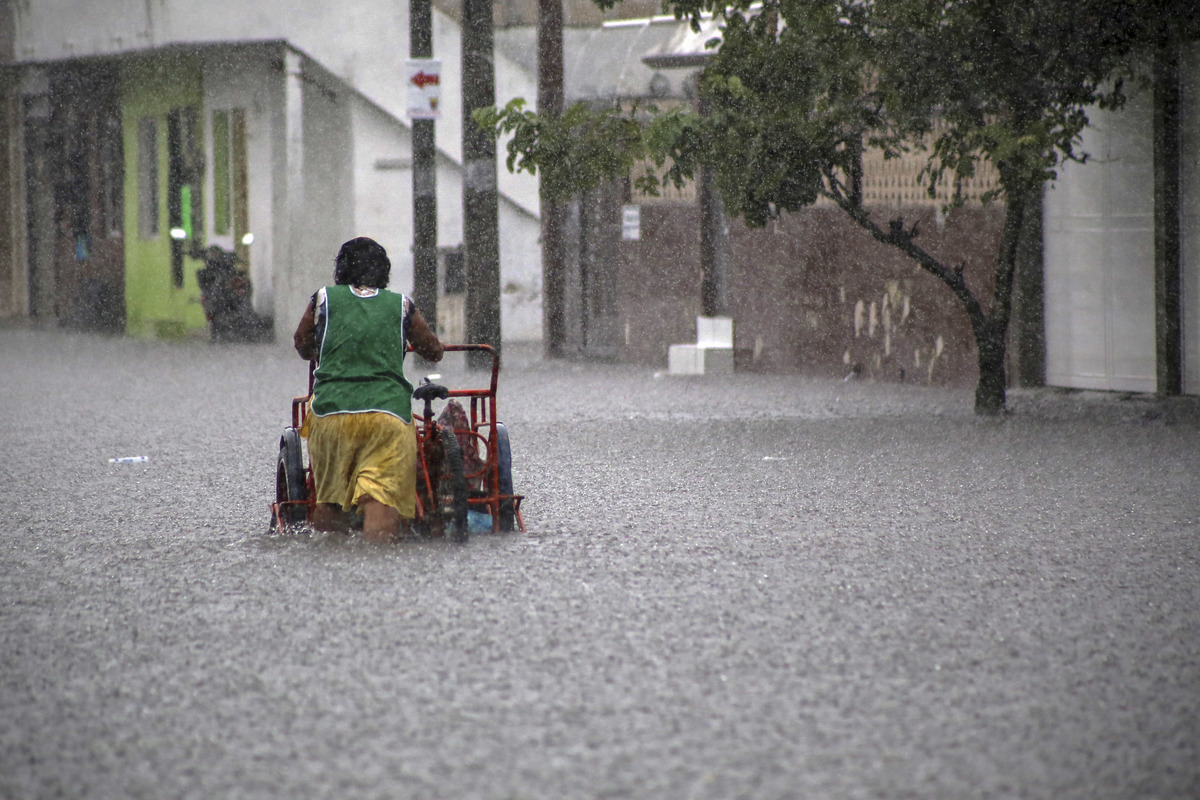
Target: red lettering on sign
{"points": [[422, 80]]}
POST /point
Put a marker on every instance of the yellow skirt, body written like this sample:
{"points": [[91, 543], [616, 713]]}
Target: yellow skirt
{"points": [[366, 454]]}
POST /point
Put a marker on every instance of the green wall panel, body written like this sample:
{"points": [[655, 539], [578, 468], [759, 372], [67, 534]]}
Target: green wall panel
{"points": [[155, 306]]}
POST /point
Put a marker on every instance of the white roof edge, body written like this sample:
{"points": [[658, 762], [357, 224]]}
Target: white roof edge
{"points": [[661, 19]]}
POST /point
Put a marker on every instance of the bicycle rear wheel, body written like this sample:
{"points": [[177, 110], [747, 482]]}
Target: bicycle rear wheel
{"points": [[504, 477], [291, 490]]}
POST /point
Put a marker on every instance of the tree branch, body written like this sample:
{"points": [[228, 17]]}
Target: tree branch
{"points": [[898, 237]]}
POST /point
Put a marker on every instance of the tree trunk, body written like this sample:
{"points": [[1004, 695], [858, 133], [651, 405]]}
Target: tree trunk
{"points": [[1027, 327], [991, 329], [991, 391]]}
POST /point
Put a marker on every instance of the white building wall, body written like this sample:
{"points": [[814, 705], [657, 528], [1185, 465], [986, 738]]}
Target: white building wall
{"points": [[1189, 217], [520, 275], [1099, 257], [249, 81], [312, 186], [383, 186], [327, 217], [54, 30]]}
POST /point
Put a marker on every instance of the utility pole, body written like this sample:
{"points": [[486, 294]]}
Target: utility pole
{"points": [[481, 229], [550, 103], [714, 243], [714, 249], [424, 174]]}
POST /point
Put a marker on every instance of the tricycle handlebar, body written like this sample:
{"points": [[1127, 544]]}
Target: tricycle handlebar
{"points": [[479, 348]]}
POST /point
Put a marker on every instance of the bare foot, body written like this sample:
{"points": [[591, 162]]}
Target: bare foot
{"points": [[329, 517], [381, 523]]}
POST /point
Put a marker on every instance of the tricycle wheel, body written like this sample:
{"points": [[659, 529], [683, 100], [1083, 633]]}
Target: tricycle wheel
{"points": [[504, 477], [290, 488], [452, 489]]}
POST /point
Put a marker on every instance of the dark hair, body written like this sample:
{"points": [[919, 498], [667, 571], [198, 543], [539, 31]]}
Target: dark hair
{"points": [[362, 262]]}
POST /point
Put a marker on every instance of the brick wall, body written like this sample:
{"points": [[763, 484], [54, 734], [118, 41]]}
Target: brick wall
{"points": [[814, 293]]}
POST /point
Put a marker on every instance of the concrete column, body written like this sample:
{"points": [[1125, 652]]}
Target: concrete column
{"points": [[290, 206], [1167, 262]]}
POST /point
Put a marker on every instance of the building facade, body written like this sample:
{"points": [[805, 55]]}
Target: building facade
{"points": [[139, 133], [1122, 244]]}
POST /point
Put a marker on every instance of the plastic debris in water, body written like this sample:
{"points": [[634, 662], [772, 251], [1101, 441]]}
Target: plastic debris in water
{"points": [[129, 460]]}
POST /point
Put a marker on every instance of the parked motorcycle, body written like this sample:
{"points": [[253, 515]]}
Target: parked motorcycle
{"points": [[225, 293]]}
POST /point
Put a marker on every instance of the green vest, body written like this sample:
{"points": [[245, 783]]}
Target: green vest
{"points": [[361, 362]]}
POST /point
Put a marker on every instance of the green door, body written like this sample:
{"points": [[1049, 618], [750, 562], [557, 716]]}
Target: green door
{"points": [[164, 174]]}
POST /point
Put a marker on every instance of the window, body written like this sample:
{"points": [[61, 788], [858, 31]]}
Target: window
{"points": [[185, 173], [110, 175]]}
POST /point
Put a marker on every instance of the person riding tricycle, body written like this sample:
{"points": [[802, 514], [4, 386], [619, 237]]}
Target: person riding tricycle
{"points": [[369, 455], [360, 433]]}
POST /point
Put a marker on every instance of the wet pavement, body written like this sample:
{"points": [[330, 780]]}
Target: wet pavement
{"points": [[753, 587]]}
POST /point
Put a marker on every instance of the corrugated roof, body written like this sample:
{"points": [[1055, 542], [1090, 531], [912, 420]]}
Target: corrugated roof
{"points": [[610, 62]]}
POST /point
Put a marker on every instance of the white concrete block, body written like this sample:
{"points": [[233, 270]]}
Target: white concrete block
{"points": [[692, 359], [685, 359], [714, 331]]}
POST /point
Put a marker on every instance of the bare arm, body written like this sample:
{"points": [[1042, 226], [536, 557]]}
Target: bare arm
{"points": [[424, 341], [305, 338]]}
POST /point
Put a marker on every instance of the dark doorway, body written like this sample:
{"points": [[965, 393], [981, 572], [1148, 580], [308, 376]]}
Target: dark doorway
{"points": [[75, 182]]}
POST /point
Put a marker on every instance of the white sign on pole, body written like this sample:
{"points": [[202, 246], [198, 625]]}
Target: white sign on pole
{"points": [[424, 88], [631, 223]]}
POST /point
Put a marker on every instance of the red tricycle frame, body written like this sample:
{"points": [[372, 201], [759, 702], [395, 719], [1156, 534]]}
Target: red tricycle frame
{"points": [[492, 480]]}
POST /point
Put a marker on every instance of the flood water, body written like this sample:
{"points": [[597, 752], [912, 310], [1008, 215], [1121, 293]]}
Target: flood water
{"points": [[749, 587]]}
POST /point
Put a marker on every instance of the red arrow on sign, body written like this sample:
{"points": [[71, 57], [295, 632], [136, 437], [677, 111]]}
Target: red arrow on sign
{"points": [[422, 80]]}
